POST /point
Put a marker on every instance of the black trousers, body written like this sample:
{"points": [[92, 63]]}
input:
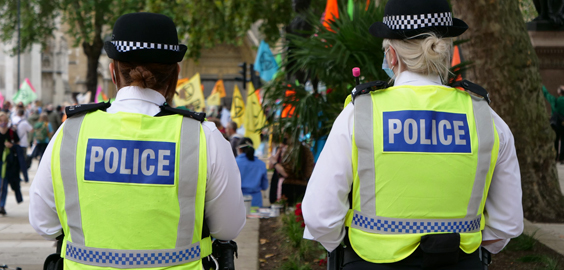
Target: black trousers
{"points": [[559, 143], [414, 262]]}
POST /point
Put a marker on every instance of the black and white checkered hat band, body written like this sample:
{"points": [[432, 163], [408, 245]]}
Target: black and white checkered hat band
{"points": [[407, 22], [126, 46]]}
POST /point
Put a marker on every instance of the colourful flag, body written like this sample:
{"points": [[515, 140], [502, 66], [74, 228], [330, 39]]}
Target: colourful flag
{"points": [[1, 100], [350, 7], [254, 116], [100, 96], [188, 94], [181, 81], [265, 63], [218, 87], [26, 93], [331, 13], [237, 107], [214, 99]]}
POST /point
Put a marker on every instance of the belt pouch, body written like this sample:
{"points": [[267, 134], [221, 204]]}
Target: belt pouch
{"points": [[440, 250]]}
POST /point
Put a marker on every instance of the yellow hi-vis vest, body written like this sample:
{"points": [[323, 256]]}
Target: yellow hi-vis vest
{"points": [[130, 191], [423, 159]]}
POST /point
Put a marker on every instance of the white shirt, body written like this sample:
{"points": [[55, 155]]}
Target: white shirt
{"points": [[332, 178], [23, 128], [225, 212]]}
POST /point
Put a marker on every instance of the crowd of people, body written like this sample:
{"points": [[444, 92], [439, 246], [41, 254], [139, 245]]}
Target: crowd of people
{"points": [[25, 132]]}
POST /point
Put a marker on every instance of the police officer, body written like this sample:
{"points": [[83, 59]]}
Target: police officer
{"points": [[137, 184], [431, 170]]}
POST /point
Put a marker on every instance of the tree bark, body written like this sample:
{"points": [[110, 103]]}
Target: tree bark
{"points": [[505, 63], [93, 51]]}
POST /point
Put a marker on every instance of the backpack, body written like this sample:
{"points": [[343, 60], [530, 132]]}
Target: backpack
{"points": [[40, 131]]}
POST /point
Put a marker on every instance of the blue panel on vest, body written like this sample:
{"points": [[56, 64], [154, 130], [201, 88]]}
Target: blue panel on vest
{"points": [[426, 131], [123, 161]]}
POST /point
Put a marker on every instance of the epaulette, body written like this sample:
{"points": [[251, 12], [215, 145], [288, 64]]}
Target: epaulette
{"points": [[167, 110], [474, 88], [86, 108], [367, 88]]}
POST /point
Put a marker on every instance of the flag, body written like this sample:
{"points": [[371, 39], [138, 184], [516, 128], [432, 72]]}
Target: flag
{"points": [[254, 117], [288, 109], [237, 107], [188, 94], [214, 99], [265, 63], [218, 87], [456, 60], [181, 81], [225, 117], [100, 96], [350, 8], [26, 93], [331, 13]]}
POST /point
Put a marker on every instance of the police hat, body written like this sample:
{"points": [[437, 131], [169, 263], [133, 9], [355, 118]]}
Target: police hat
{"points": [[405, 19], [145, 38]]}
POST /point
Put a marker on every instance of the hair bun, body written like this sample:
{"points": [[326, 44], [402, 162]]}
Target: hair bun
{"points": [[142, 77]]}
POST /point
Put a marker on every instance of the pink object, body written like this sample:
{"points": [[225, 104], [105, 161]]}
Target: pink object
{"points": [[356, 71]]}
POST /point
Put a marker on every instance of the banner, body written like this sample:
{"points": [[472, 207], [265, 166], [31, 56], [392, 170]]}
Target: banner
{"points": [[214, 99], [331, 13], [254, 116], [237, 107], [26, 93], [100, 96], [265, 63], [189, 94], [218, 87]]}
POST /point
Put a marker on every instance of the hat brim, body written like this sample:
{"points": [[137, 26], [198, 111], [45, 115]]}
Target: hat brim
{"points": [[146, 55], [381, 30]]}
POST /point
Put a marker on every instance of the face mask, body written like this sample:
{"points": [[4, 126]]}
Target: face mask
{"points": [[386, 67]]}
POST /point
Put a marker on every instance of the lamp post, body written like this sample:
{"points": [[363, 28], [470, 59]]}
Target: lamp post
{"points": [[19, 39]]}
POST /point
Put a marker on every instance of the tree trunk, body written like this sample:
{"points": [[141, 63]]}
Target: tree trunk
{"points": [[93, 52], [506, 65]]}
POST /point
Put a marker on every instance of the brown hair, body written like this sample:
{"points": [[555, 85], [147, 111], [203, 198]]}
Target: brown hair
{"points": [[159, 77]]}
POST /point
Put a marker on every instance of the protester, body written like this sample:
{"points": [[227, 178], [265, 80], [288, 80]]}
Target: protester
{"points": [[42, 132], [418, 175], [294, 170], [54, 117], [22, 127], [253, 172], [177, 186], [9, 163], [557, 120], [234, 137]]}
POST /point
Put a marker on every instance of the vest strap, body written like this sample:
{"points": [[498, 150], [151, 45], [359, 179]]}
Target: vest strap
{"points": [[386, 225], [125, 259]]}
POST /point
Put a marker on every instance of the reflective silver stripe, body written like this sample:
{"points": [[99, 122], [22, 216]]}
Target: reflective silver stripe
{"points": [[119, 258], [364, 138], [486, 138], [188, 180], [71, 130], [386, 225]]}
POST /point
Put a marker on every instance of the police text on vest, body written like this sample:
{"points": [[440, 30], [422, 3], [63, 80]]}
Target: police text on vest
{"points": [[125, 161], [426, 131]]}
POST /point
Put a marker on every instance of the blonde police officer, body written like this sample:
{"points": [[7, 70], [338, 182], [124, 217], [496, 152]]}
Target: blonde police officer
{"points": [[431, 170], [137, 184]]}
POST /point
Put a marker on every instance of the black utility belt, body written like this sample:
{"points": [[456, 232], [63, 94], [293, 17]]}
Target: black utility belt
{"points": [[435, 250]]}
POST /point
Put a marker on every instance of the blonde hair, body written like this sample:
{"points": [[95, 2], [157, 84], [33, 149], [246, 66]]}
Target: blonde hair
{"points": [[428, 55]]}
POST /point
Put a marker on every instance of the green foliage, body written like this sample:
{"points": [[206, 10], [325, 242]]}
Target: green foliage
{"points": [[328, 56], [528, 10], [546, 262], [303, 252], [522, 243], [205, 23]]}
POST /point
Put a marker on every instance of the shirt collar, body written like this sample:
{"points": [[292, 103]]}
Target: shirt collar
{"points": [[138, 93], [416, 79]]}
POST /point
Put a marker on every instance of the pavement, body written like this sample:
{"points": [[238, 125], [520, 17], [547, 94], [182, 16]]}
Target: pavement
{"points": [[21, 246]]}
